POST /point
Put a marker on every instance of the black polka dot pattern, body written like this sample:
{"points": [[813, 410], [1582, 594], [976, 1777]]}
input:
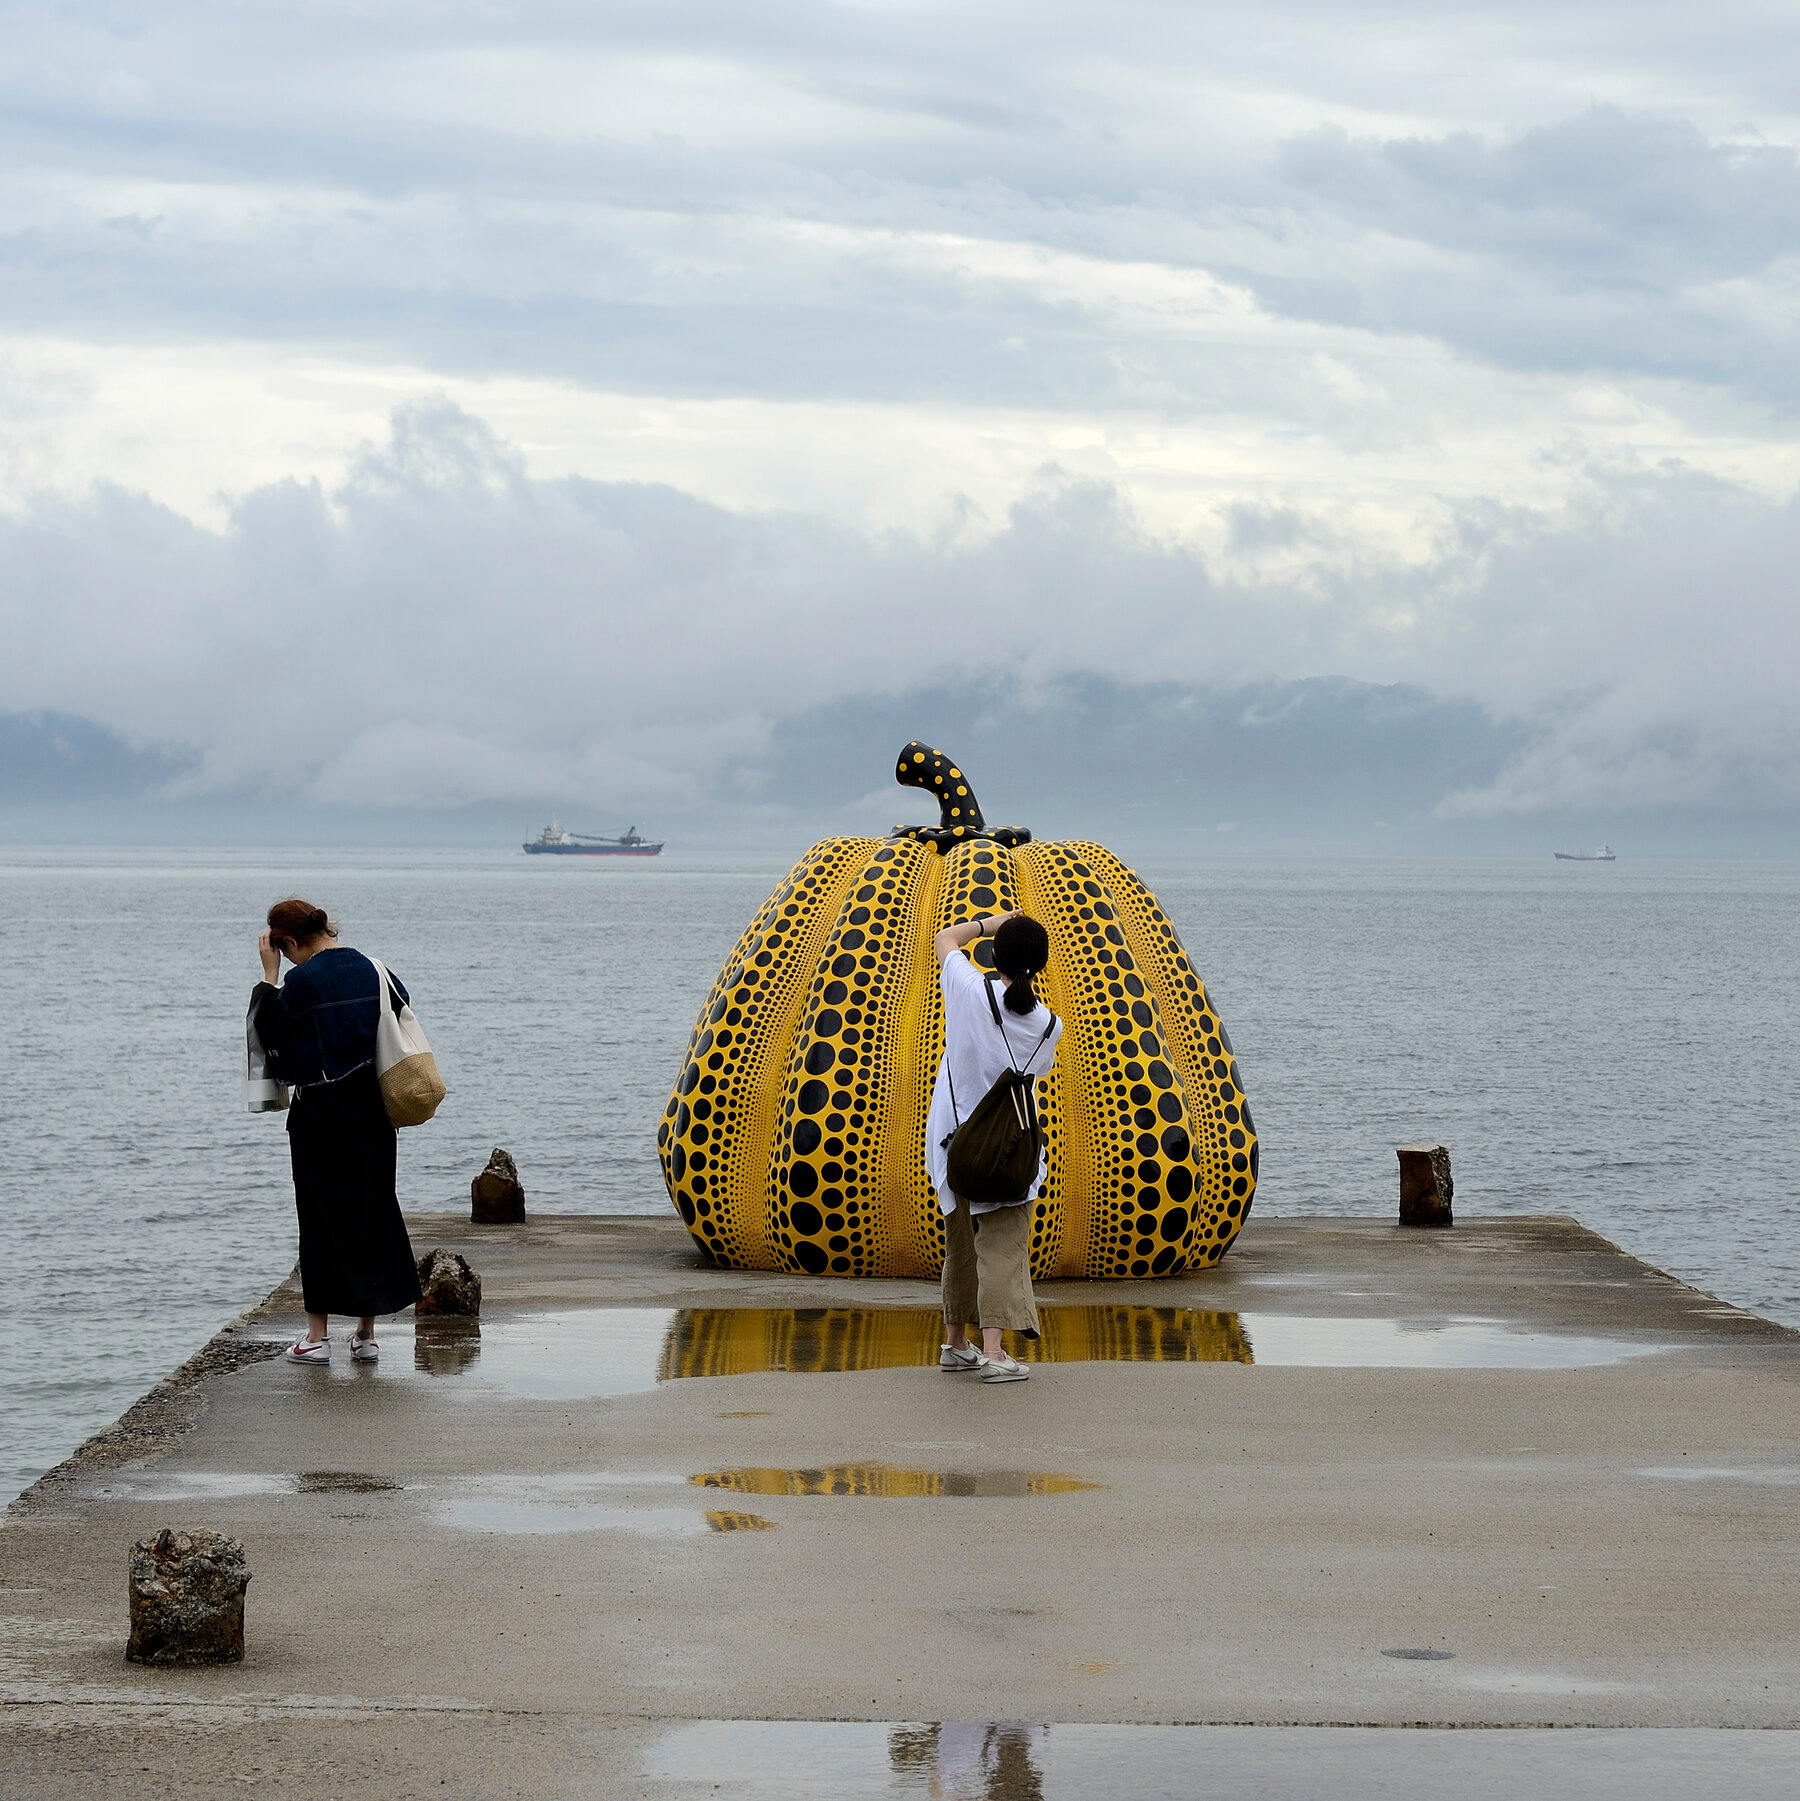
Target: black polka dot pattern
{"points": [[716, 1132], [795, 1138], [1151, 1140], [841, 1194]]}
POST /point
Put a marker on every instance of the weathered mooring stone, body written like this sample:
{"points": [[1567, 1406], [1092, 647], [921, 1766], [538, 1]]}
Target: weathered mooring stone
{"points": [[451, 1288], [1425, 1185], [496, 1196], [186, 1592]]}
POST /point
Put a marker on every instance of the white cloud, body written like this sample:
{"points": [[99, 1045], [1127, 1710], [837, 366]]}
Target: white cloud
{"points": [[1657, 638], [1390, 433], [1455, 347]]}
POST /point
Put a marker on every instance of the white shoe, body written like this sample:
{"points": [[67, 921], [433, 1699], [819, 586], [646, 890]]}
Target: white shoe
{"points": [[1003, 1368], [310, 1350], [364, 1350], [959, 1357]]}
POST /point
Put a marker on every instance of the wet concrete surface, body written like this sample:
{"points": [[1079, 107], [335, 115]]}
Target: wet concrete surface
{"points": [[532, 1517], [1598, 1541]]}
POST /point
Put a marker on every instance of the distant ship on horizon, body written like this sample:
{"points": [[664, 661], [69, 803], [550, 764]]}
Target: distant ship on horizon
{"points": [[1601, 854], [557, 841]]}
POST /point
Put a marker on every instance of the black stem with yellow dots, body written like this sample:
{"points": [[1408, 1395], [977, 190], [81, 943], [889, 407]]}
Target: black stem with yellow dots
{"points": [[959, 813]]}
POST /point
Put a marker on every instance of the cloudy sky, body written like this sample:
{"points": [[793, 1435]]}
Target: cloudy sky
{"points": [[462, 410]]}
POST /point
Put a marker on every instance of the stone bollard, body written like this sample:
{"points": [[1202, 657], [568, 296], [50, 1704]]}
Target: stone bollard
{"points": [[186, 1592], [1425, 1185], [452, 1289], [496, 1197]]}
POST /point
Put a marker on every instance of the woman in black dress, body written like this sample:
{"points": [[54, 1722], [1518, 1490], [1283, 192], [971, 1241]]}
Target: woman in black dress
{"points": [[318, 1031]]}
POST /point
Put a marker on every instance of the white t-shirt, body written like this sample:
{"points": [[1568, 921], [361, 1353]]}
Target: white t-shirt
{"points": [[975, 1057]]}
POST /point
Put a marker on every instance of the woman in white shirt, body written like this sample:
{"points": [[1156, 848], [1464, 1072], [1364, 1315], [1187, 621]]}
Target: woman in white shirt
{"points": [[987, 1256]]}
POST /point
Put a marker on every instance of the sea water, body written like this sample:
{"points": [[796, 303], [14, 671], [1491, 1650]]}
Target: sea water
{"points": [[1615, 1041]]}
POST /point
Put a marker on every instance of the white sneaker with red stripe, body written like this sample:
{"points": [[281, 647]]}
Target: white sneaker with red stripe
{"points": [[364, 1350], [310, 1350]]}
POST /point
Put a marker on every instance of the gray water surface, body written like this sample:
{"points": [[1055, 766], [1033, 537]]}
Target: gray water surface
{"points": [[1614, 1041]]}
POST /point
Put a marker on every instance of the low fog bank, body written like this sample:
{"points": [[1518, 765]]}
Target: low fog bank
{"points": [[446, 648], [1160, 771]]}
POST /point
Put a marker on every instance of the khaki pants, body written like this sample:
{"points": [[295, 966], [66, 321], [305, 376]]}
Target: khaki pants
{"points": [[987, 1269]]}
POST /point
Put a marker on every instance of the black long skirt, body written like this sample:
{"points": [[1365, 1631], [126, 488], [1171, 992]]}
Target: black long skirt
{"points": [[355, 1257]]}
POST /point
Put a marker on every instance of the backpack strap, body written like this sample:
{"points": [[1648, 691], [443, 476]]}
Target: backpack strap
{"points": [[1005, 1042]]}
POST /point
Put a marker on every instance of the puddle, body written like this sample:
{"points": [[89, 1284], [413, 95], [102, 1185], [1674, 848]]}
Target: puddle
{"points": [[735, 1341], [548, 1356], [739, 1522], [601, 1351], [237, 1485], [565, 1356], [343, 1482], [886, 1481], [565, 1482], [952, 1761], [532, 1518], [192, 1485], [815, 1760], [446, 1347], [626, 1350], [1294, 1340]]}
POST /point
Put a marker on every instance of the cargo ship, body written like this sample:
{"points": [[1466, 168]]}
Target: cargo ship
{"points": [[1601, 854], [557, 841]]}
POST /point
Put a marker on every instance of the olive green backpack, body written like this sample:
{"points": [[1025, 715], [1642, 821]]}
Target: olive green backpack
{"points": [[995, 1153]]}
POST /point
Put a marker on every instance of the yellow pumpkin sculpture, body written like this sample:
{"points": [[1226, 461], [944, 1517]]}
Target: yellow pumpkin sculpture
{"points": [[795, 1137]]}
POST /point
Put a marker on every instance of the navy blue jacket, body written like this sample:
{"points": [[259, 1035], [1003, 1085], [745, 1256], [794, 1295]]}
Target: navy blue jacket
{"points": [[319, 1025]]}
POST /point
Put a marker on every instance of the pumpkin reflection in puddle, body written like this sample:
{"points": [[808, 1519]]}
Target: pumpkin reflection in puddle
{"points": [[736, 1341], [884, 1481], [795, 1137]]}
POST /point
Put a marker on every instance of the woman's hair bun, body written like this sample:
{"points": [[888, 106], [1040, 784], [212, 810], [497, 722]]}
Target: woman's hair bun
{"points": [[293, 921]]}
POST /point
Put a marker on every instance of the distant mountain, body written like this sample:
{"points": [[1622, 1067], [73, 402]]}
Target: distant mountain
{"points": [[1153, 769], [61, 757], [1090, 753]]}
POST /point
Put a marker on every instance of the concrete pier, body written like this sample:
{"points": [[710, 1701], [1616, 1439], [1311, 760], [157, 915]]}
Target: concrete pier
{"points": [[486, 1567]]}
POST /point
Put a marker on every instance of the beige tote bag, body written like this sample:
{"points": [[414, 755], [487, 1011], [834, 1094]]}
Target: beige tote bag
{"points": [[411, 1087]]}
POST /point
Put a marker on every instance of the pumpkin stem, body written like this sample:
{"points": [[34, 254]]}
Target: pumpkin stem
{"points": [[920, 766]]}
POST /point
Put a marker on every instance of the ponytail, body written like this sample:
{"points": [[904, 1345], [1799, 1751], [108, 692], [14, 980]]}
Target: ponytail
{"points": [[1021, 949]]}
